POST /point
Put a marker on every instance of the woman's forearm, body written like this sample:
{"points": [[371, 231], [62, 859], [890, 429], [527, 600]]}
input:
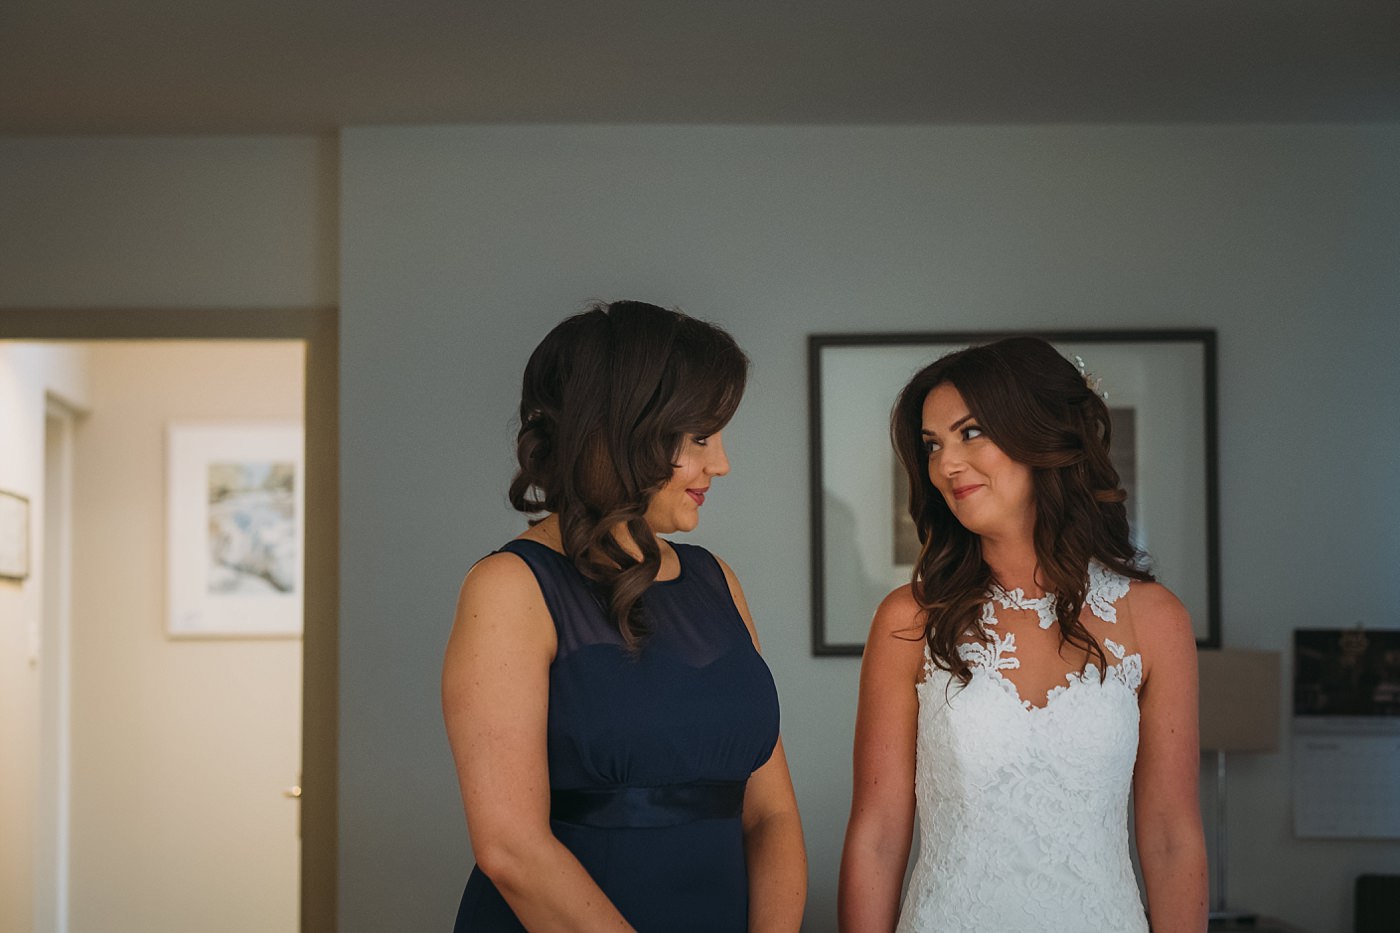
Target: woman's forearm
{"points": [[868, 893], [1177, 886], [777, 867], [548, 889]]}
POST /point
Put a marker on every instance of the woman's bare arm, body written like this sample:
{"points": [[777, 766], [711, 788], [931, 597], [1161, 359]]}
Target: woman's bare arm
{"points": [[881, 824], [773, 845], [495, 702], [1166, 802]]}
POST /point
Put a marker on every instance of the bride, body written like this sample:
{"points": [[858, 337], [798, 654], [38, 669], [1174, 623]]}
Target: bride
{"points": [[1026, 680]]}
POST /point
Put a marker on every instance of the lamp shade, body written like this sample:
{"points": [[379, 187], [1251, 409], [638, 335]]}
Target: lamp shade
{"points": [[1240, 700]]}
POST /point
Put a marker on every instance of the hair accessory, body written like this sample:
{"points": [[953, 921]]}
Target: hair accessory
{"points": [[1094, 383]]}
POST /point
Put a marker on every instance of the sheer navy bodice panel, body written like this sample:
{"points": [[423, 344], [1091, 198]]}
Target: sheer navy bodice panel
{"points": [[696, 707]]}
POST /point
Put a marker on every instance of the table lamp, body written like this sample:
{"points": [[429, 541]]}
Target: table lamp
{"points": [[1240, 699]]}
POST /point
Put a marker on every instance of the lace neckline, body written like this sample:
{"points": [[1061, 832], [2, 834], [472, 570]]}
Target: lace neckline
{"points": [[1104, 590], [998, 653], [993, 658], [1043, 606]]}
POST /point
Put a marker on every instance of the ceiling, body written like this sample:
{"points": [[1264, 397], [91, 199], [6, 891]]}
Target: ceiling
{"points": [[307, 66]]}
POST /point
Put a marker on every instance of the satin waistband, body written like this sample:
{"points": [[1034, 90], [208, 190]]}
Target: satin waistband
{"points": [[648, 807]]}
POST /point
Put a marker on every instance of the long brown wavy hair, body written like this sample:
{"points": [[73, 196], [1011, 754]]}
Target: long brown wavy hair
{"points": [[607, 400], [1037, 407]]}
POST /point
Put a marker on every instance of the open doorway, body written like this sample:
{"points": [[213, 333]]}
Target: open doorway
{"points": [[237, 677]]}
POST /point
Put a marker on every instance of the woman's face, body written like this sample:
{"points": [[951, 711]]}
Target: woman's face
{"points": [[676, 506], [987, 491]]}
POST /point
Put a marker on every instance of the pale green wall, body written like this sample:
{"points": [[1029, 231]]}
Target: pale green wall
{"points": [[168, 222], [463, 245]]}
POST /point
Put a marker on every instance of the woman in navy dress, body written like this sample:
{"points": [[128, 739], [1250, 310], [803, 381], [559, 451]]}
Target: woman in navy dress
{"points": [[614, 727]]}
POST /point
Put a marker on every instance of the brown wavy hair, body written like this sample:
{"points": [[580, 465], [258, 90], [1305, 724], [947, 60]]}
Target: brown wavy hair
{"points": [[607, 400], [1037, 407]]}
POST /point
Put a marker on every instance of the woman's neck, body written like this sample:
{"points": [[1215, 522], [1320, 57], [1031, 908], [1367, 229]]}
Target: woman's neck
{"points": [[623, 537], [1013, 564], [547, 532]]}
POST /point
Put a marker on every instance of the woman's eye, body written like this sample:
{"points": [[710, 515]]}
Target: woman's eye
{"points": [[971, 431], [700, 439], [930, 446]]}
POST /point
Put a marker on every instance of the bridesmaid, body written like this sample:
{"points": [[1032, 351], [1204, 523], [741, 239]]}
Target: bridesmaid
{"points": [[614, 727]]}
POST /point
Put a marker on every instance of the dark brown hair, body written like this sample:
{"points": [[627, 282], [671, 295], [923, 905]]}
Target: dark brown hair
{"points": [[608, 398], [1036, 406]]}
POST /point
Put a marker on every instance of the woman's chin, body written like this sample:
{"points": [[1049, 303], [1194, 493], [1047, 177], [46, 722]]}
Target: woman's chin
{"points": [[684, 523]]}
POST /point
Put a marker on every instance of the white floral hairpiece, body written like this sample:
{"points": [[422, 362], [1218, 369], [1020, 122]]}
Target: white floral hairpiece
{"points": [[1094, 383]]}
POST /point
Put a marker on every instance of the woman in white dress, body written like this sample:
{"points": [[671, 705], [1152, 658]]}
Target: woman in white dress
{"points": [[1026, 680]]}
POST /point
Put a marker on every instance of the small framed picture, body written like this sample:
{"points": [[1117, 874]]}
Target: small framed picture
{"points": [[235, 529], [14, 536], [1160, 391]]}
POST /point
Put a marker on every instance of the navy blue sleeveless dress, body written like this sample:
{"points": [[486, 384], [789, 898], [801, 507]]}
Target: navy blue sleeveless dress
{"points": [[648, 755]]}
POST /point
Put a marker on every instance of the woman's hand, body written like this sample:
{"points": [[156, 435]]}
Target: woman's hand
{"points": [[495, 702]]}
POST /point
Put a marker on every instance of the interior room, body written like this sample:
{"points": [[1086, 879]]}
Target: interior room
{"points": [[447, 181]]}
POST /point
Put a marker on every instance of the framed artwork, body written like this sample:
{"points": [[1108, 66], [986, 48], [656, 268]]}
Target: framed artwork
{"points": [[1160, 390], [14, 536], [235, 529]]}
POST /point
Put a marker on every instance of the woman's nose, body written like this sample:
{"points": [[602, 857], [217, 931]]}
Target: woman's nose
{"points": [[719, 460]]}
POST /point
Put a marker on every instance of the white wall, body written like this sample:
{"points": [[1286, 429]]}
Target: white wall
{"points": [[463, 245], [29, 373], [181, 747]]}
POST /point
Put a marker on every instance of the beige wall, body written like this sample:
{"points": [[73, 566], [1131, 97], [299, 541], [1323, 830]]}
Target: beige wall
{"points": [[28, 373], [181, 748]]}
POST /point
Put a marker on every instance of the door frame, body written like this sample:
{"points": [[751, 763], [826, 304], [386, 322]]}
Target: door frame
{"points": [[319, 329], [53, 810]]}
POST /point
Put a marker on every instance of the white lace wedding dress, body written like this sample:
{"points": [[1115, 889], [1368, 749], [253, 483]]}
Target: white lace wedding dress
{"points": [[1023, 808]]}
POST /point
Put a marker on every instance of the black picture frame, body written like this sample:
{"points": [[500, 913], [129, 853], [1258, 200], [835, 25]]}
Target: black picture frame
{"points": [[1161, 383]]}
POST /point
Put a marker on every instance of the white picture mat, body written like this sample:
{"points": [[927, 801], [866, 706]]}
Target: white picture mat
{"points": [[1163, 381], [193, 611]]}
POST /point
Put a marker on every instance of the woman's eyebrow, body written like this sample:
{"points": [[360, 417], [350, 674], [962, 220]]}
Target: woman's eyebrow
{"points": [[927, 432]]}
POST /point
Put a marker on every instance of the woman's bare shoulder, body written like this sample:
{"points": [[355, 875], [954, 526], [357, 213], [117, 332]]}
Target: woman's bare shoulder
{"points": [[900, 602], [501, 604], [1153, 602], [499, 571], [1159, 618], [899, 616]]}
